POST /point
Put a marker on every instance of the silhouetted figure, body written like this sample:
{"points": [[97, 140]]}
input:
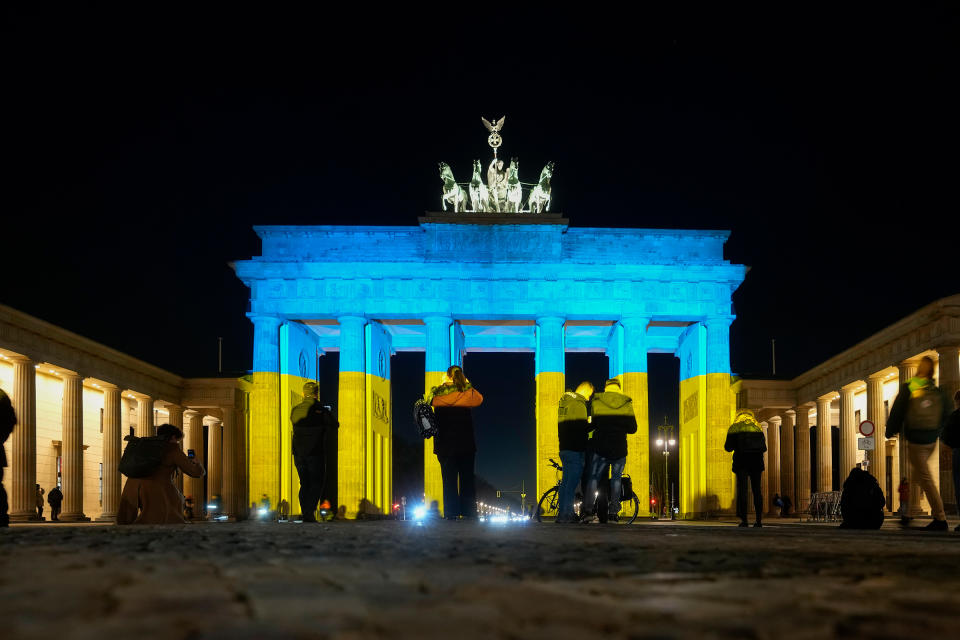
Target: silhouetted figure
{"points": [[455, 445], [904, 490], [573, 427], [777, 502], [8, 419], [951, 438], [55, 499], [40, 493], [188, 508], [311, 421], [919, 414], [745, 439], [612, 418], [787, 503], [155, 499], [862, 502]]}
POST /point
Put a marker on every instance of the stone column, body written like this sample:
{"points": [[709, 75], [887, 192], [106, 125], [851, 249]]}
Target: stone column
{"points": [[351, 397], [824, 443], [72, 434], [230, 461], [243, 503], [949, 381], [549, 370], [848, 432], [765, 477], [112, 449], [175, 418], [145, 427], [265, 419], [23, 462], [720, 480], [437, 359], [802, 454], [876, 414], [634, 359], [787, 437], [215, 463], [194, 438], [773, 460]]}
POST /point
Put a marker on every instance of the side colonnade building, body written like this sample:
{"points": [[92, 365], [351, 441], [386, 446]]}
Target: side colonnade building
{"points": [[812, 421], [76, 399], [461, 283]]}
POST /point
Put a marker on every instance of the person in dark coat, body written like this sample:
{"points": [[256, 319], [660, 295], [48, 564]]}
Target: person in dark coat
{"points": [[8, 419], [55, 499], [40, 493], [455, 445], [311, 421], [745, 439], [573, 427], [155, 499], [612, 418], [862, 501]]}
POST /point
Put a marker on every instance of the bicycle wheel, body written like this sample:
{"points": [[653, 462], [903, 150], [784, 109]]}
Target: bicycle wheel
{"points": [[631, 508], [549, 505]]}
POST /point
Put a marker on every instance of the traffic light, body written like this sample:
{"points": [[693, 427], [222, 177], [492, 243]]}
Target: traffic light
{"points": [[653, 501], [498, 493]]}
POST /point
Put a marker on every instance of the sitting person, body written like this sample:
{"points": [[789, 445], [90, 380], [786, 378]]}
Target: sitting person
{"points": [[862, 502], [155, 499]]}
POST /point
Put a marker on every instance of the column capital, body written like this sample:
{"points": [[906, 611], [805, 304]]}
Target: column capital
{"points": [[878, 375], [948, 349], [551, 321], [265, 319], [20, 359], [433, 320], [828, 397], [719, 321], [351, 320], [640, 322], [775, 420], [850, 388]]}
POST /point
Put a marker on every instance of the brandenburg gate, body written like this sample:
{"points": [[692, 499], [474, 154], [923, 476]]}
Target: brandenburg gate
{"points": [[465, 282]]}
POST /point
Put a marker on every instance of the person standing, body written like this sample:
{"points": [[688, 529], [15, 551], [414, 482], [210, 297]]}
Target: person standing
{"points": [[40, 493], [573, 425], [919, 414], [55, 499], [455, 444], [904, 490], [612, 419], [8, 419], [951, 438], [745, 439], [311, 421]]}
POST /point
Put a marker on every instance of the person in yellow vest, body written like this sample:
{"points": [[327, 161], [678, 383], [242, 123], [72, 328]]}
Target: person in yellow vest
{"points": [[612, 418], [745, 439], [573, 427]]}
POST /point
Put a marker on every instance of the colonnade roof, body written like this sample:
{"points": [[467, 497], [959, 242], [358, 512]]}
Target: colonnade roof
{"points": [[937, 325], [60, 352]]}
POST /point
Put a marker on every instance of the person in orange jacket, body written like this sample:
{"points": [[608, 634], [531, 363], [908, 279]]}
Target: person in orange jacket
{"points": [[455, 445]]}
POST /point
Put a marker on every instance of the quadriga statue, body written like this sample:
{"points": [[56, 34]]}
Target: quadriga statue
{"points": [[452, 192], [540, 195], [479, 194]]}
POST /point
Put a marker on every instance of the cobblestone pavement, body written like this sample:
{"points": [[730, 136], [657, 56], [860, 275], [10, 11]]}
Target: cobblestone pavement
{"points": [[476, 580]]}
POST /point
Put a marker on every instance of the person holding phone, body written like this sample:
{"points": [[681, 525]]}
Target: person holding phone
{"points": [[311, 421]]}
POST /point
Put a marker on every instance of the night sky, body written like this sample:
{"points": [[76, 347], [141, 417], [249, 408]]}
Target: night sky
{"points": [[141, 147]]}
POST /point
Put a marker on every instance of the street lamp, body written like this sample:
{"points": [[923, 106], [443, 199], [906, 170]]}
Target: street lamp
{"points": [[666, 441]]}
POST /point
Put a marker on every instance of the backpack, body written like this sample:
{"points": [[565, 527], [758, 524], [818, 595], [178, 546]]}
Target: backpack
{"points": [[862, 502], [425, 419], [925, 411], [142, 456]]}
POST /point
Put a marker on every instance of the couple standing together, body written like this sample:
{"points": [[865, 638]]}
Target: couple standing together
{"points": [[592, 429]]}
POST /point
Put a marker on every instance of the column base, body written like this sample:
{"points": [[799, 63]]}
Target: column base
{"points": [[25, 517], [77, 517], [106, 518]]}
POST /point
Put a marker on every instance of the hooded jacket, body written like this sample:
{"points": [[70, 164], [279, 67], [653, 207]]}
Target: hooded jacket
{"points": [[311, 420], [899, 419], [572, 424], [454, 419], [613, 419], [745, 439]]}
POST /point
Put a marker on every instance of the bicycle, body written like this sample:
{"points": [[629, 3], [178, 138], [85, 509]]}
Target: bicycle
{"points": [[549, 504]]}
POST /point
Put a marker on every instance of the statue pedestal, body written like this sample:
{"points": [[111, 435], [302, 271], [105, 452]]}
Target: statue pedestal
{"points": [[491, 217]]}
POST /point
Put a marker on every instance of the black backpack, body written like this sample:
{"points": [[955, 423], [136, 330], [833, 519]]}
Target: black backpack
{"points": [[425, 419], [142, 456], [862, 502]]}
